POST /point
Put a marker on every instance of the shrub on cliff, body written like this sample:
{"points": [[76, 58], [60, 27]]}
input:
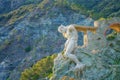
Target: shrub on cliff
{"points": [[41, 69]]}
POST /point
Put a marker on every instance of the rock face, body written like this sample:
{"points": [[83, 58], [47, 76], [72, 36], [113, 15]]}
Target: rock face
{"points": [[34, 37], [9, 5], [101, 58], [28, 32]]}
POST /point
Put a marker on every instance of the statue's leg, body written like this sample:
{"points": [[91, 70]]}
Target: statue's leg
{"points": [[68, 53]]}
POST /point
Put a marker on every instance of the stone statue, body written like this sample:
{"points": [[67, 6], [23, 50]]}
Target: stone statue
{"points": [[70, 33]]}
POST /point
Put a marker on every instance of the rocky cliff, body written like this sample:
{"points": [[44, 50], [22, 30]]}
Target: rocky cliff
{"points": [[9, 5], [28, 30], [30, 33], [101, 58]]}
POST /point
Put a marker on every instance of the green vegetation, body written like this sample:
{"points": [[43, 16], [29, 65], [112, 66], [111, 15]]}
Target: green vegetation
{"points": [[5, 44], [113, 44], [93, 8], [13, 16], [29, 1], [78, 7], [43, 3], [28, 49], [8, 5], [41, 69], [111, 36], [117, 61]]}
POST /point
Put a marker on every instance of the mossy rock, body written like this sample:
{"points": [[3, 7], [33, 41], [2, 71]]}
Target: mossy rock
{"points": [[111, 36]]}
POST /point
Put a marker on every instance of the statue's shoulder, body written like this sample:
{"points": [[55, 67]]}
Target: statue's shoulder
{"points": [[71, 28]]}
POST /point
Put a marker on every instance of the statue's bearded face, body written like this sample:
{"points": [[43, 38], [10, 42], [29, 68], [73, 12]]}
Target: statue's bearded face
{"points": [[62, 29]]}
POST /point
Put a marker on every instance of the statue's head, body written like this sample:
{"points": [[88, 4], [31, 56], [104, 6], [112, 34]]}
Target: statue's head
{"points": [[62, 29]]}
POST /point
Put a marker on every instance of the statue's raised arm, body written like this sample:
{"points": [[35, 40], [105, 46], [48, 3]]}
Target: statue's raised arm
{"points": [[84, 29]]}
